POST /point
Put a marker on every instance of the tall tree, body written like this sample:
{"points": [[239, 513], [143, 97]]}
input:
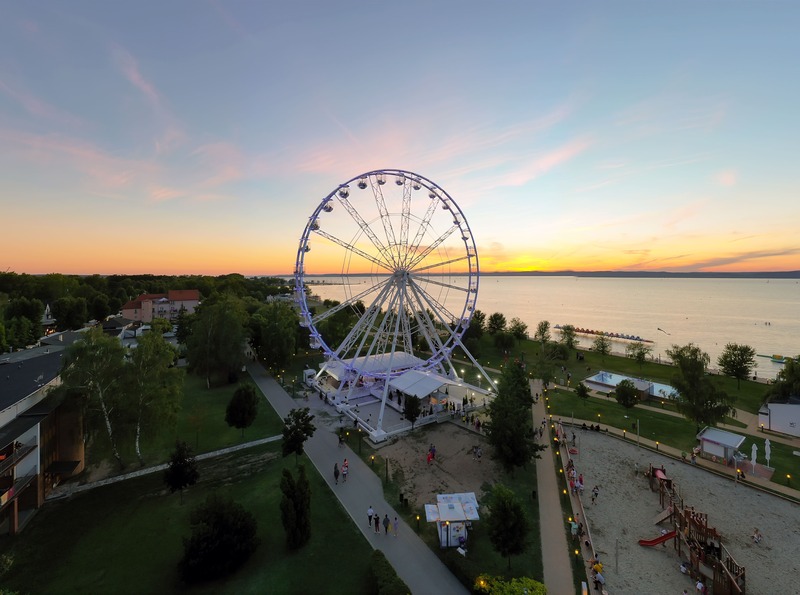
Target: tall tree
{"points": [[638, 351], [542, 334], [216, 344], [737, 361], [181, 471], [582, 391], [509, 429], [568, 336], [95, 366], [602, 345], [21, 332], [518, 328], [496, 323], [504, 341], [698, 399], [508, 524], [272, 329], [626, 393], [412, 409], [242, 408], [156, 387], [477, 325], [787, 384], [70, 312], [297, 428], [296, 508]]}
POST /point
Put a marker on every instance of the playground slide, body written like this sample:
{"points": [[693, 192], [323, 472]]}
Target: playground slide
{"points": [[662, 516], [657, 540]]}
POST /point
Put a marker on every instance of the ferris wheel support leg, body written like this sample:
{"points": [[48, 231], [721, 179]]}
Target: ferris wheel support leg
{"points": [[475, 363]]}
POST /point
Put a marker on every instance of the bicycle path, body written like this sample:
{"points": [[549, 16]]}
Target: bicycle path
{"points": [[413, 560]]}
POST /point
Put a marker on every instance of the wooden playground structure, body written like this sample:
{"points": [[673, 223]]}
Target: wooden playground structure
{"points": [[707, 556]]}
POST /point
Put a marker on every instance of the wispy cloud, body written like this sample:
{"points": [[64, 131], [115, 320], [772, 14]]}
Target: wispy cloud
{"points": [[38, 107]]}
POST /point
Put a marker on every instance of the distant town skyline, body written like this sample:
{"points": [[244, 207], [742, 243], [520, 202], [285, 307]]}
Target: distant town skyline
{"points": [[198, 137]]}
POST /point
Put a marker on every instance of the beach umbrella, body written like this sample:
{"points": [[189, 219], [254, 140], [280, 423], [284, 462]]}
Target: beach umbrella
{"points": [[767, 450], [753, 454]]}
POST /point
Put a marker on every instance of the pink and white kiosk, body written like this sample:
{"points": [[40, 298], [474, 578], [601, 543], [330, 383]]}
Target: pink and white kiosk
{"points": [[453, 515]]}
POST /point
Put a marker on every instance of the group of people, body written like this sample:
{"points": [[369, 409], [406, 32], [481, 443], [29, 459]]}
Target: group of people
{"points": [[597, 573], [431, 456], [344, 471], [374, 519]]}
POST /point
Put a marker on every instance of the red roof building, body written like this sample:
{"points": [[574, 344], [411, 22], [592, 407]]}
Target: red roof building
{"points": [[168, 305]]}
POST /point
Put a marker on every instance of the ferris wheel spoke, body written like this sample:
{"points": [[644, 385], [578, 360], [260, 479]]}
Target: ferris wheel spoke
{"points": [[384, 265], [349, 302], [439, 264], [405, 216], [420, 257], [365, 322], [423, 227], [433, 281], [385, 219], [365, 227], [427, 327], [438, 308]]}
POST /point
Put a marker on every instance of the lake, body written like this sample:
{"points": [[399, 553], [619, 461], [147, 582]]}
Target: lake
{"points": [[762, 313]]}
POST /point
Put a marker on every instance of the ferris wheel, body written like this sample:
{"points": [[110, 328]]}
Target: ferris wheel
{"points": [[401, 255]]}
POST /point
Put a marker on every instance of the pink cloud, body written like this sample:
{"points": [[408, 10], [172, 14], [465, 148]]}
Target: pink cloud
{"points": [[130, 69], [546, 162], [38, 107]]}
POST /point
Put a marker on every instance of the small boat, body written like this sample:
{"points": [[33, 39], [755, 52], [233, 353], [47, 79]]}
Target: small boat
{"points": [[779, 359]]}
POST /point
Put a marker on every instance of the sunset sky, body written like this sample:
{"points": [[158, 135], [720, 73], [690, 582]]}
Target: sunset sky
{"points": [[199, 136]]}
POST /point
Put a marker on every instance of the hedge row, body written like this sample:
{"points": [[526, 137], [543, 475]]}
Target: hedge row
{"points": [[383, 579]]}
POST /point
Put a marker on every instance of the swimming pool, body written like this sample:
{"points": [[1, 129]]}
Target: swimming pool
{"points": [[611, 380]]}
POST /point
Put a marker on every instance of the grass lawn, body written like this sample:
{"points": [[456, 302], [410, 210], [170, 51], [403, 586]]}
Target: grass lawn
{"points": [[127, 538], [201, 423]]}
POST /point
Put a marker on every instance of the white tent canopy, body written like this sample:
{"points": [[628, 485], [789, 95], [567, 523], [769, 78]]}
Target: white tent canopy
{"points": [[453, 508], [419, 384], [374, 363]]}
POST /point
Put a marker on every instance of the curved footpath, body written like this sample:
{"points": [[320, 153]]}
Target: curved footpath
{"points": [[414, 562]]}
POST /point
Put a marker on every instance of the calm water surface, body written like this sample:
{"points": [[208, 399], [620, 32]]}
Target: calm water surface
{"points": [[709, 312]]}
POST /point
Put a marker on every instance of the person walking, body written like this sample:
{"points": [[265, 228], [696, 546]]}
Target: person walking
{"points": [[336, 473], [370, 514], [386, 523], [345, 470], [595, 493], [377, 519]]}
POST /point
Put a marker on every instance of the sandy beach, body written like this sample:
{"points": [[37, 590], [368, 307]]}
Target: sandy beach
{"points": [[626, 508]]}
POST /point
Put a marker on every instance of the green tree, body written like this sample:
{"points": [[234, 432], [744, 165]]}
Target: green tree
{"points": [[602, 345], [638, 351], [493, 585], [155, 386], [518, 329], [273, 334], [242, 408], [509, 429], [627, 394], [297, 428], [698, 399], [70, 312], [412, 408], [99, 306], [504, 341], [160, 326], [542, 334], [477, 326], [21, 332], [582, 391], [296, 508], [737, 361], [496, 323], [568, 336], [508, 525], [224, 536], [3, 341], [95, 367], [216, 344], [787, 384], [181, 471], [184, 322]]}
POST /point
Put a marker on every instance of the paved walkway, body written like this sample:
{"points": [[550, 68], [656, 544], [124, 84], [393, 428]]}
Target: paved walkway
{"points": [[414, 562], [552, 525]]}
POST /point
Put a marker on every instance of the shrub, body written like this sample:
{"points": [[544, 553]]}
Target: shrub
{"points": [[223, 538], [382, 578]]}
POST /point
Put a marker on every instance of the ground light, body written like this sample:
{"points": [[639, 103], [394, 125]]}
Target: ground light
{"points": [[372, 460], [656, 444], [417, 523]]}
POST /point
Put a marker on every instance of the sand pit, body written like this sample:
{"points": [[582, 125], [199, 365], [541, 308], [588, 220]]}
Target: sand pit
{"points": [[453, 470], [625, 511]]}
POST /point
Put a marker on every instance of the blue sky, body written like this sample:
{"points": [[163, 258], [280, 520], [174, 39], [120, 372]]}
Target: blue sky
{"points": [[198, 137]]}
